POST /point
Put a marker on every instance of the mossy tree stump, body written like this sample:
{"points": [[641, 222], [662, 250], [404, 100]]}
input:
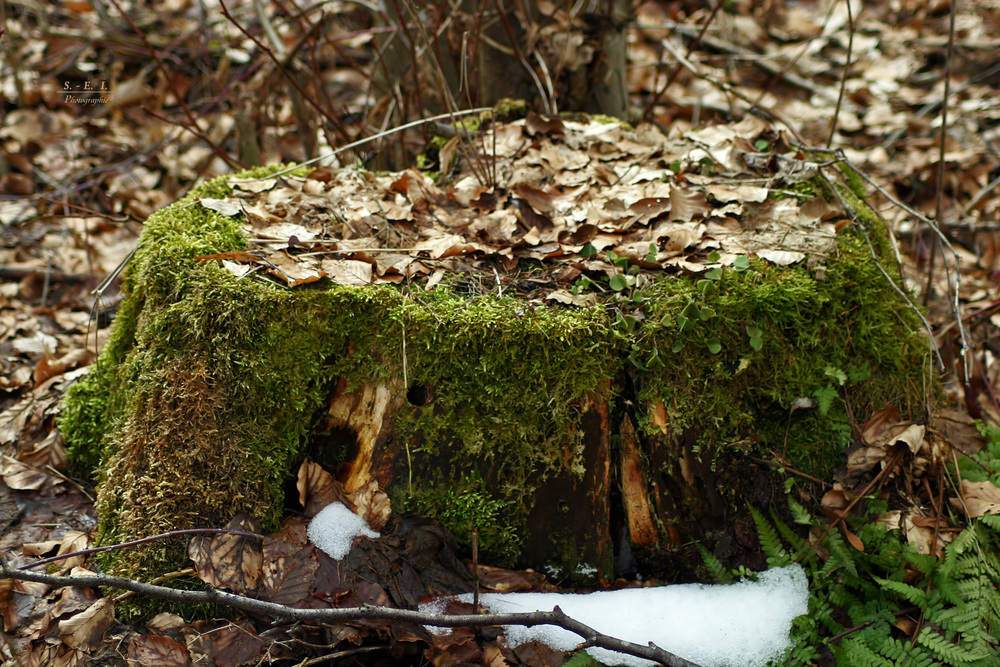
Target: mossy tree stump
{"points": [[628, 424]]}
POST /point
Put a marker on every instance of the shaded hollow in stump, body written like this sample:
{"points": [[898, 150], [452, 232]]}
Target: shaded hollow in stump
{"points": [[588, 360]]}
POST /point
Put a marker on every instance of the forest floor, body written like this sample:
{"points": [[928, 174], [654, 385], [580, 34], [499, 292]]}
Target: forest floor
{"points": [[105, 118]]}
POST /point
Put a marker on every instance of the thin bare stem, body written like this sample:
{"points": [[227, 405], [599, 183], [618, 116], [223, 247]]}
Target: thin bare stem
{"points": [[590, 636], [843, 78]]}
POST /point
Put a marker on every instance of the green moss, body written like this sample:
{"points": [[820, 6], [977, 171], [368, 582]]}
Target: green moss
{"points": [[209, 386], [466, 505], [203, 398], [817, 323]]}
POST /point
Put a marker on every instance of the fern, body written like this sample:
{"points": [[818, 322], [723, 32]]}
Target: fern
{"points": [[958, 596], [770, 541], [947, 651], [716, 569]]}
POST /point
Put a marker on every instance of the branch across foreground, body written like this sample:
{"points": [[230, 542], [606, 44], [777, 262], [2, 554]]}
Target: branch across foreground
{"points": [[591, 638]]}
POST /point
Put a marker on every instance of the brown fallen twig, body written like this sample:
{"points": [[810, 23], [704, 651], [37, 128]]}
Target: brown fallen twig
{"points": [[591, 637]]}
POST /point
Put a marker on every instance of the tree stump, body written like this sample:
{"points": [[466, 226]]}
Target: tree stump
{"points": [[594, 346]]}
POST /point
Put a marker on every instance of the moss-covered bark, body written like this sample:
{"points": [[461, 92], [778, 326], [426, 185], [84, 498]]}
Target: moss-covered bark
{"points": [[211, 390]]}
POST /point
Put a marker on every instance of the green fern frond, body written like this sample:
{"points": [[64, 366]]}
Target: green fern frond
{"points": [[947, 651], [911, 594], [840, 554], [799, 546], [770, 541], [853, 651], [716, 569], [799, 513]]}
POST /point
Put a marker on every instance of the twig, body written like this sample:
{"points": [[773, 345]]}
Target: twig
{"points": [[843, 79], [885, 274], [548, 104], [375, 137], [732, 90], [940, 174], [144, 540], [194, 127], [591, 637], [677, 68]]}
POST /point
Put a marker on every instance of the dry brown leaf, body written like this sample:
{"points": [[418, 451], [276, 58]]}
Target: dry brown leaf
{"points": [[161, 651], [981, 498], [686, 203], [317, 488], [85, 630], [880, 420], [73, 541], [19, 476], [371, 504]]}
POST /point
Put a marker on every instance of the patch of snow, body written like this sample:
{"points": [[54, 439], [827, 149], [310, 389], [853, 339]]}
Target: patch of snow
{"points": [[333, 530], [744, 624]]}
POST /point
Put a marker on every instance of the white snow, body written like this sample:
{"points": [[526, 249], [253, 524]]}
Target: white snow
{"points": [[743, 624], [333, 530]]}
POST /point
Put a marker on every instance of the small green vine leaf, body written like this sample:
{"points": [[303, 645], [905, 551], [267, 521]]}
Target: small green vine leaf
{"points": [[714, 345], [741, 263], [836, 374], [651, 255]]}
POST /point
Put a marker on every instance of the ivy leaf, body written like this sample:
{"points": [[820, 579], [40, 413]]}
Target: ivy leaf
{"points": [[678, 346], [618, 282], [714, 274], [714, 345], [713, 256], [741, 263]]}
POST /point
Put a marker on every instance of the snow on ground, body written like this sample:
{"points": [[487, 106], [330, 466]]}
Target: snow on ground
{"points": [[740, 625], [333, 530]]}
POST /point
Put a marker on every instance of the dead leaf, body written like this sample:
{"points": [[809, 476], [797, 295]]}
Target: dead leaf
{"points": [[85, 630], [981, 498]]}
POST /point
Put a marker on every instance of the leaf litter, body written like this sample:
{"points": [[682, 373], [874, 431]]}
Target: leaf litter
{"points": [[665, 203], [74, 154]]}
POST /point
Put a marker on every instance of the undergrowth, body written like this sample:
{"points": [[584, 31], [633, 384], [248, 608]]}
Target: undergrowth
{"points": [[887, 605]]}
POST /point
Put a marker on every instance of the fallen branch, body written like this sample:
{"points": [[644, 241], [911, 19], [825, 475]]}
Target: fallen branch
{"points": [[591, 637]]}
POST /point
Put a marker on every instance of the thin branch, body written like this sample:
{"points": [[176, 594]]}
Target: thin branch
{"points": [[194, 127], [590, 636], [365, 140], [843, 79], [144, 540]]}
